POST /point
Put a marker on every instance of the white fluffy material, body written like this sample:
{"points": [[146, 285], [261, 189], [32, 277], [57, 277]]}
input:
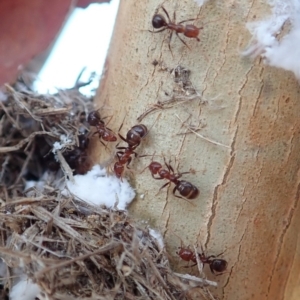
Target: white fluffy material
{"points": [[282, 53], [96, 187], [200, 2], [159, 238], [25, 289]]}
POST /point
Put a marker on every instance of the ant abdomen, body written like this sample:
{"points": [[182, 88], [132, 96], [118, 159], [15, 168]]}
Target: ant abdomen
{"points": [[187, 190], [158, 21], [218, 265], [135, 134], [94, 118], [191, 31]]}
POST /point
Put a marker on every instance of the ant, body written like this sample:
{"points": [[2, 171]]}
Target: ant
{"points": [[215, 264], [185, 188], [77, 158], [104, 132], [133, 138], [190, 31]]}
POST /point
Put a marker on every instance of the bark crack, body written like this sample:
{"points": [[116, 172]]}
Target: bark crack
{"points": [[237, 260], [216, 190], [283, 233], [259, 94]]}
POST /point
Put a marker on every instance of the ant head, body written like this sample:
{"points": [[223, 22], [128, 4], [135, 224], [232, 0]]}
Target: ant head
{"points": [[118, 169], [154, 167], [158, 21]]}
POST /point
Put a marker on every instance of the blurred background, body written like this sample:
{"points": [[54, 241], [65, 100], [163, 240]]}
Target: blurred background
{"points": [[55, 42]]}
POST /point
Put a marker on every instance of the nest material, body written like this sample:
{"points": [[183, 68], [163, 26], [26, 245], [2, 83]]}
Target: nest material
{"points": [[75, 251], [70, 249], [30, 124]]}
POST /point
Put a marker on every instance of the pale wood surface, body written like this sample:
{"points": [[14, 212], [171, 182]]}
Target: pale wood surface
{"points": [[248, 206]]}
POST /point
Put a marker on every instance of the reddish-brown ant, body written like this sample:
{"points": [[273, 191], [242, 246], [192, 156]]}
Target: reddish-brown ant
{"points": [[133, 139], [103, 132], [190, 31], [185, 188], [216, 265]]}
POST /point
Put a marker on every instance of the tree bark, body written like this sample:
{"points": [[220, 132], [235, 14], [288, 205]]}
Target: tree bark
{"points": [[243, 151]]}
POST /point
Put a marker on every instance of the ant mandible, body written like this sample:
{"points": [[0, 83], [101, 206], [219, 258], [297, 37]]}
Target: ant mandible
{"points": [[103, 132], [185, 188], [189, 30], [133, 138]]}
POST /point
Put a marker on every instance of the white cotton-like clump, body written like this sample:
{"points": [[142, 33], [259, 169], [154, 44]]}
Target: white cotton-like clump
{"points": [[159, 238], [39, 185], [286, 54], [283, 53], [25, 289], [200, 2], [64, 141], [48, 178], [96, 187]]}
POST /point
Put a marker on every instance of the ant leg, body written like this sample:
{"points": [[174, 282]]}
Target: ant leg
{"points": [[106, 118], [174, 190], [214, 256], [121, 148], [103, 143], [188, 20], [152, 31], [158, 178], [166, 184], [182, 40], [119, 154], [169, 44], [128, 162], [211, 269], [168, 165], [166, 13], [121, 137]]}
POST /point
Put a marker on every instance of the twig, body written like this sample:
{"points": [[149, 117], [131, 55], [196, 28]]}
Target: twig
{"points": [[201, 136], [65, 167], [174, 101], [199, 264], [16, 97], [52, 111], [196, 279], [102, 250], [9, 116], [25, 164], [25, 141]]}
